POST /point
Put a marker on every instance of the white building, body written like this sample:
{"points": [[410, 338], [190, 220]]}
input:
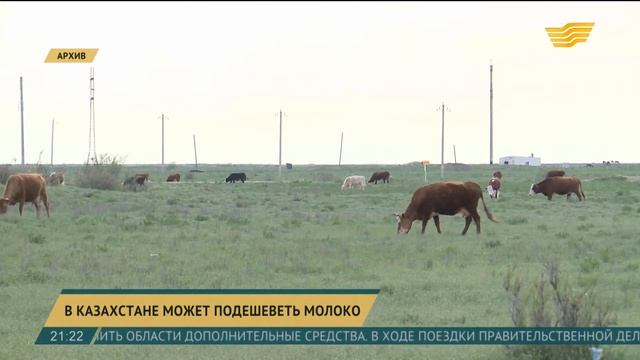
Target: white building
{"points": [[520, 160]]}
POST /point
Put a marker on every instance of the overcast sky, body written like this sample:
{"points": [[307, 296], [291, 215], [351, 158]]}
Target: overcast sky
{"points": [[377, 71]]}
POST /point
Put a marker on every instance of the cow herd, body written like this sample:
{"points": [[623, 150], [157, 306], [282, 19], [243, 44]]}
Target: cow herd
{"points": [[138, 180], [455, 197], [429, 201]]}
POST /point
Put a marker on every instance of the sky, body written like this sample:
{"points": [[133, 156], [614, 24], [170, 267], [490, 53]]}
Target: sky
{"points": [[375, 71]]}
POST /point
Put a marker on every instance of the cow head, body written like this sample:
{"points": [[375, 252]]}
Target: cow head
{"points": [[534, 189], [4, 205], [404, 224]]}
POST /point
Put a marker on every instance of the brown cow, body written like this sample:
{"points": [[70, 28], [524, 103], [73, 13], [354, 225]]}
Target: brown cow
{"points": [[380, 176], [144, 176], [497, 174], [494, 188], [174, 177], [23, 188], [553, 173], [56, 178], [558, 185], [135, 181], [443, 198]]}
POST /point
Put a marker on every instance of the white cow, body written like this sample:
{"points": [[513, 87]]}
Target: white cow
{"points": [[353, 181], [494, 188]]}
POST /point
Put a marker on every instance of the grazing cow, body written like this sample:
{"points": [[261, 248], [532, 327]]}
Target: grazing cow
{"points": [[174, 178], [443, 198], [554, 173], [353, 181], [23, 188], [56, 178], [144, 177], [589, 165], [135, 181], [497, 174], [380, 176], [236, 177], [558, 185], [494, 188]]}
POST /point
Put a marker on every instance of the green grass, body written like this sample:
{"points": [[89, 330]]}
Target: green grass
{"points": [[307, 233]]}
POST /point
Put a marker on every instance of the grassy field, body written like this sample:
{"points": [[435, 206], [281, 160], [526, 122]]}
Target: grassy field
{"points": [[307, 233]]}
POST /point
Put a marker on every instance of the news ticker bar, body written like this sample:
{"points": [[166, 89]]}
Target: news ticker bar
{"points": [[338, 336]]}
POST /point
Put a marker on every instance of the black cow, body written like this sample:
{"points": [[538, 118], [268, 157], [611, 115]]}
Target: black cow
{"points": [[236, 177]]}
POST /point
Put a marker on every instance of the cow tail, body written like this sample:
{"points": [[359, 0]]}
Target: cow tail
{"points": [[489, 215]]}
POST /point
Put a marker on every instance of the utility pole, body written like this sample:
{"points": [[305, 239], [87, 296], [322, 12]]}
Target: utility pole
{"points": [[195, 152], [340, 158], [443, 108], [22, 120], [53, 122], [490, 113], [163, 140], [280, 149], [455, 158], [92, 120]]}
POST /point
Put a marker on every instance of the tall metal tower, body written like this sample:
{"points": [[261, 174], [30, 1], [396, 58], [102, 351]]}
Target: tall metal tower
{"points": [[21, 120], [490, 113], [92, 120]]}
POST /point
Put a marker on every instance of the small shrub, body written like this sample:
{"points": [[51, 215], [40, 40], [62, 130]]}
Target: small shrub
{"points": [[36, 238], [517, 220], [428, 265], [553, 302], [589, 265], [492, 244], [201, 218], [584, 227], [102, 174]]}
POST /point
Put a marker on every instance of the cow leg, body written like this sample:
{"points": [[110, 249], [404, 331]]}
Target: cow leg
{"points": [[20, 207], [476, 219], [436, 220], [579, 196], [467, 222], [549, 196], [497, 194], [35, 204], [45, 201], [424, 224]]}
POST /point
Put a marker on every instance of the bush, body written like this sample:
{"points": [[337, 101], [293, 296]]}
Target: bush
{"points": [[103, 173], [562, 306]]}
